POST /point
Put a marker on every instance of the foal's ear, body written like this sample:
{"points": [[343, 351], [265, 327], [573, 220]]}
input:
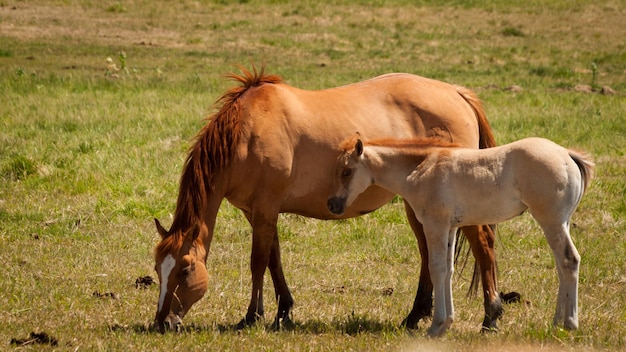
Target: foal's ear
{"points": [[160, 229], [358, 148]]}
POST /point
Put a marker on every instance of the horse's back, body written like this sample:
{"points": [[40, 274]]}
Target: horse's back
{"points": [[396, 105], [292, 135]]}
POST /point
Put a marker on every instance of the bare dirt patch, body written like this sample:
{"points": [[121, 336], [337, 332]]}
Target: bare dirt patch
{"points": [[27, 21]]}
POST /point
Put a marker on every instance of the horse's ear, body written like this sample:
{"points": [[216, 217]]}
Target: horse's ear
{"points": [[160, 228], [358, 148]]}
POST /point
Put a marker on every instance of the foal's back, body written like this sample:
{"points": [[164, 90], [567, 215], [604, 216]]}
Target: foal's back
{"points": [[496, 184]]}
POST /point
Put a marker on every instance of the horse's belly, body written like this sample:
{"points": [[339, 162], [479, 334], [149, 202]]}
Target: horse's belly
{"points": [[314, 205]]}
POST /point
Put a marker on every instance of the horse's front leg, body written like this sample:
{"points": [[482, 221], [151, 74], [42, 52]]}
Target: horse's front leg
{"points": [[263, 233], [439, 261], [281, 290], [481, 239], [423, 303]]}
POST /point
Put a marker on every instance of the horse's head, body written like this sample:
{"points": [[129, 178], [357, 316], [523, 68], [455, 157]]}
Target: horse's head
{"points": [[181, 265], [351, 177]]}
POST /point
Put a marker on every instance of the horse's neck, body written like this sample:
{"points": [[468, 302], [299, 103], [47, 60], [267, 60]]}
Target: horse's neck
{"points": [[391, 166], [204, 214]]}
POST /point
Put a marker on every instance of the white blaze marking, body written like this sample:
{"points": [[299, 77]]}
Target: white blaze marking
{"points": [[166, 268]]}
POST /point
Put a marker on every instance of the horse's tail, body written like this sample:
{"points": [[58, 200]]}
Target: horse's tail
{"points": [[585, 165], [486, 139]]}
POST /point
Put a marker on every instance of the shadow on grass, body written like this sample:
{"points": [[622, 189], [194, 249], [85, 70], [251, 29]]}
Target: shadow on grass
{"points": [[350, 325]]}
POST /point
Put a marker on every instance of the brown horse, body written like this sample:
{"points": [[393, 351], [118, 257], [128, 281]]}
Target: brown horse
{"points": [[269, 150], [449, 187]]}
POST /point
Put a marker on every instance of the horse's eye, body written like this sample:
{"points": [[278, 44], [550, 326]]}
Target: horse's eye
{"points": [[185, 271], [346, 172]]}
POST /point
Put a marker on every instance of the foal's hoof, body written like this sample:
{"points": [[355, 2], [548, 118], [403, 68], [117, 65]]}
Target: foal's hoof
{"points": [[570, 324], [435, 332], [439, 329]]}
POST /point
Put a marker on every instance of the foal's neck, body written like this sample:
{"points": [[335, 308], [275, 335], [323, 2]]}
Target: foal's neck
{"points": [[392, 165]]}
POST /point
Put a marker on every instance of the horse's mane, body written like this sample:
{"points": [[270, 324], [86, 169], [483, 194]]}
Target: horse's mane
{"points": [[214, 147], [169, 244]]}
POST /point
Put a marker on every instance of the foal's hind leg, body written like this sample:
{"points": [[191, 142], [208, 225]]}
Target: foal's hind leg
{"points": [[567, 262], [423, 303], [481, 239]]}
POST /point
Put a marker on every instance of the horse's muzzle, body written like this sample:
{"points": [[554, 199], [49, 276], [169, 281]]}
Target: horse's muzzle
{"points": [[336, 205], [171, 323]]}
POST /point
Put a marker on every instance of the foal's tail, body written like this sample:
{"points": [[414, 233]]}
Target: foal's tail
{"points": [[585, 165]]}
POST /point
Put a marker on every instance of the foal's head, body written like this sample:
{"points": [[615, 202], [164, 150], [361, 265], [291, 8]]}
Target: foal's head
{"points": [[351, 177], [180, 263]]}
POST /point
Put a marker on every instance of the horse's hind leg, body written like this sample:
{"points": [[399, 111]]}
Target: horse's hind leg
{"points": [[567, 263], [481, 239], [423, 304]]}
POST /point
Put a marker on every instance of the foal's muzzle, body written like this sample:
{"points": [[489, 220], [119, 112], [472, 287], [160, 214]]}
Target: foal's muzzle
{"points": [[336, 205]]}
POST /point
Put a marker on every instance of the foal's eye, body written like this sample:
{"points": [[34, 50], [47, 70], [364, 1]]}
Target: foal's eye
{"points": [[346, 172]]}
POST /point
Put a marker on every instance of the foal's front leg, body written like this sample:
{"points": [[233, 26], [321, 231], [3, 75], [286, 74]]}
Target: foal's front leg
{"points": [[448, 282], [440, 263]]}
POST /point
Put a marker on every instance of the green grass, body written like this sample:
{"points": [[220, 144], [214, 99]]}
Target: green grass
{"points": [[91, 150]]}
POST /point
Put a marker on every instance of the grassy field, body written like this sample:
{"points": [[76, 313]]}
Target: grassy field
{"points": [[99, 102]]}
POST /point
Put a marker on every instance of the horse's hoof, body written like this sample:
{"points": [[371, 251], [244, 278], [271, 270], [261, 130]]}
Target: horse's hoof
{"points": [[283, 324], [243, 324], [248, 321], [155, 326], [411, 321], [489, 330], [489, 325], [409, 324]]}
